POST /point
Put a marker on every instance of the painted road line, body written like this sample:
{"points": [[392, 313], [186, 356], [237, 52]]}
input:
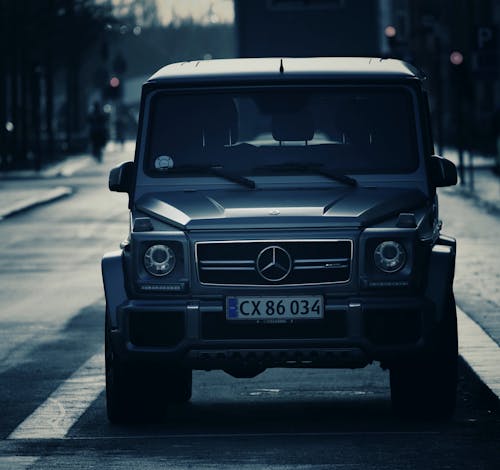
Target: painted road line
{"points": [[55, 417], [479, 351]]}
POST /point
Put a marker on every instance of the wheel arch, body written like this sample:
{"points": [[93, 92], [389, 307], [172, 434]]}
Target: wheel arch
{"points": [[114, 284], [440, 274]]}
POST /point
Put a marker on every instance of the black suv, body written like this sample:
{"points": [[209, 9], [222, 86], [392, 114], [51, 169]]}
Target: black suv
{"points": [[283, 213]]}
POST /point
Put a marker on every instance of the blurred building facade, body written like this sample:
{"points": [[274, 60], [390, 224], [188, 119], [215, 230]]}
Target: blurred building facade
{"points": [[304, 28], [457, 44], [454, 42], [46, 47]]}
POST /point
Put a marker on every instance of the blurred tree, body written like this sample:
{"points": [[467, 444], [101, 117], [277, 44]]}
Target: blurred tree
{"points": [[143, 13], [38, 40]]}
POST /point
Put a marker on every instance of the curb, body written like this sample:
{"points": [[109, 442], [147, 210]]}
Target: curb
{"points": [[65, 168], [479, 351], [43, 198], [69, 167]]}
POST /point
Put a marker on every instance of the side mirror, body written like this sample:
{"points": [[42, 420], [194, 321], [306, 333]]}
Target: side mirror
{"points": [[120, 177], [443, 172]]}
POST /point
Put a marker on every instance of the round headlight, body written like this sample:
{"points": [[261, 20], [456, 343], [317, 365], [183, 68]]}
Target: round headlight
{"points": [[159, 260], [389, 256]]}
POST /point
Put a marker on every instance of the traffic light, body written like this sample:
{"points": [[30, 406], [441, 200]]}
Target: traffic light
{"points": [[391, 33], [456, 58], [114, 89], [458, 69]]}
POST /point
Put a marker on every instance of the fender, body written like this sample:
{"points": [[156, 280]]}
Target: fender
{"points": [[441, 272], [114, 284]]}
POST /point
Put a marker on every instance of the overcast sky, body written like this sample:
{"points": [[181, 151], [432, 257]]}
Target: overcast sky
{"points": [[206, 11]]}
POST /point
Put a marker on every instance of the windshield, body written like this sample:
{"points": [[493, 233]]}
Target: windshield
{"points": [[347, 130]]}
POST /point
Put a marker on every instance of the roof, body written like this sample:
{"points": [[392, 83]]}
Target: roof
{"points": [[285, 68]]}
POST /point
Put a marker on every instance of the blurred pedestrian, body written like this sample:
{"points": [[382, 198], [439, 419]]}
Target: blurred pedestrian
{"points": [[97, 128], [120, 124]]}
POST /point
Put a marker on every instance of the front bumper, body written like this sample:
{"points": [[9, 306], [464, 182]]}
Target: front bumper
{"points": [[196, 333]]}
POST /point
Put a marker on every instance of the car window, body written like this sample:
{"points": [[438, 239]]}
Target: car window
{"points": [[352, 130]]}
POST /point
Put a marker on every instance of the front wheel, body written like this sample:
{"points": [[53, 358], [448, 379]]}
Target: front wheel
{"points": [[179, 383], [138, 392], [426, 388]]}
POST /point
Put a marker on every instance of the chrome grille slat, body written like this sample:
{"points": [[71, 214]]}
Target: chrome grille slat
{"points": [[226, 262], [343, 266], [228, 268], [331, 260]]}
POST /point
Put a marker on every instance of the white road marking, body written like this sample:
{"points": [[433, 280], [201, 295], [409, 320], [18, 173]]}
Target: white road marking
{"points": [[480, 351], [62, 409]]}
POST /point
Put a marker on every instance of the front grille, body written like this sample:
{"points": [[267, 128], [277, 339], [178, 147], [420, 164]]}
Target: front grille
{"points": [[215, 326], [309, 262]]}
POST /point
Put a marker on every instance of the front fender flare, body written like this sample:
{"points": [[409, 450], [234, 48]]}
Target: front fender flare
{"points": [[114, 285], [441, 272]]}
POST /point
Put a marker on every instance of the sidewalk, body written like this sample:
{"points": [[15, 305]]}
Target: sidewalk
{"points": [[24, 190], [67, 167], [486, 185]]}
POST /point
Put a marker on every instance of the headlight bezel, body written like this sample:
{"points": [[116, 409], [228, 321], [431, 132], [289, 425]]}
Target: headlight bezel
{"points": [[388, 262], [408, 276], [156, 267], [144, 284]]}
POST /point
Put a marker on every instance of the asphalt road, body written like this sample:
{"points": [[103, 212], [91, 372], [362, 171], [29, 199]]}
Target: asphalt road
{"points": [[51, 385]]}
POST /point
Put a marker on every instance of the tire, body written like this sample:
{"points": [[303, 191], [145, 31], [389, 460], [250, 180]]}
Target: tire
{"points": [[426, 388], [179, 385], [141, 392], [124, 399]]}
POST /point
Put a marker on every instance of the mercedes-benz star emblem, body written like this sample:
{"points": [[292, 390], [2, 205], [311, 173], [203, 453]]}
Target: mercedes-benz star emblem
{"points": [[274, 263]]}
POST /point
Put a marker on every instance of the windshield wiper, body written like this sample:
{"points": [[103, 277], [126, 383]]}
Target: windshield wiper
{"points": [[216, 170], [312, 168]]}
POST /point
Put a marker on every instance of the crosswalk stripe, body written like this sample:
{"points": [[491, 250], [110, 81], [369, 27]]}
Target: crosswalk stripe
{"points": [[62, 409], [479, 351]]}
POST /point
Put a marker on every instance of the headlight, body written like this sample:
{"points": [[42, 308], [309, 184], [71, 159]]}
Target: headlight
{"points": [[389, 256], [159, 260]]}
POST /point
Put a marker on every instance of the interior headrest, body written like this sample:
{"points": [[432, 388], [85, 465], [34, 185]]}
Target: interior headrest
{"points": [[296, 126], [220, 121]]}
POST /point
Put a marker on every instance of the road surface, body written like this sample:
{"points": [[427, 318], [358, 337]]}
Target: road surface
{"points": [[51, 375]]}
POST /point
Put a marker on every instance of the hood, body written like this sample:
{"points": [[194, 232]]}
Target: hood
{"points": [[236, 209]]}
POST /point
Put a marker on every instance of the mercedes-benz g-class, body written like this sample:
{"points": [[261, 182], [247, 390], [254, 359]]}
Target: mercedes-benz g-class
{"points": [[283, 213]]}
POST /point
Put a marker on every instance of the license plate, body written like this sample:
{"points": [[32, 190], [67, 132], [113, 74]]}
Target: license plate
{"points": [[275, 308]]}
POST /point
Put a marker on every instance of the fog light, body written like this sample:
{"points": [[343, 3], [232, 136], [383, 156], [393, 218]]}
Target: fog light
{"points": [[159, 260], [389, 256]]}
